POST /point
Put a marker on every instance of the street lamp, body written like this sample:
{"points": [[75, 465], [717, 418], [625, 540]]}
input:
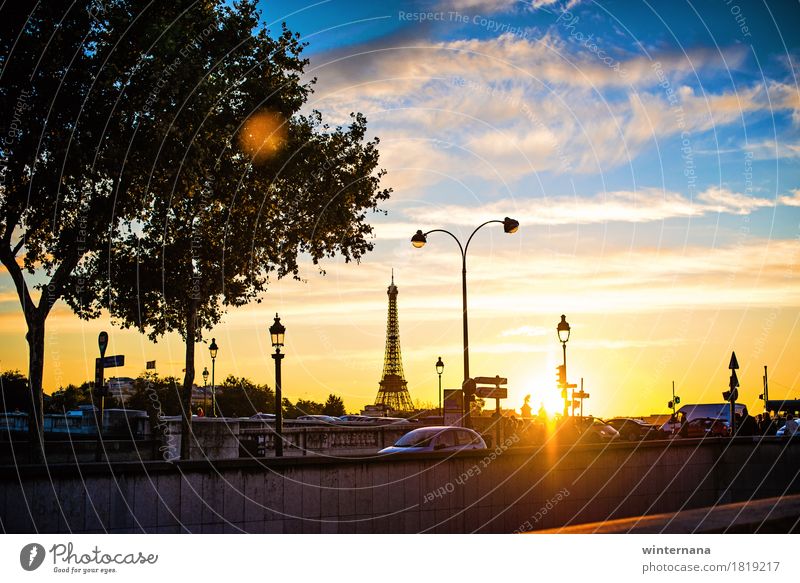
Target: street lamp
{"points": [[277, 333], [563, 337], [205, 390], [439, 371], [419, 240], [212, 349]]}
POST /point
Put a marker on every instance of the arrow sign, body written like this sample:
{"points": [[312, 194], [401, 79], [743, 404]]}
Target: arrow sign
{"points": [[734, 363], [491, 393], [111, 361], [734, 380], [498, 380]]}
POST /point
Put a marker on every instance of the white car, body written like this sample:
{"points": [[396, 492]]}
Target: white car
{"points": [[326, 419], [437, 438]]}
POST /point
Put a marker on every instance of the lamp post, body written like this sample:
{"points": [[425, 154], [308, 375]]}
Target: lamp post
{"points": [[419, 240], [205, 390], [277, 333], [563, 336], [212, 349], [439, 371]]}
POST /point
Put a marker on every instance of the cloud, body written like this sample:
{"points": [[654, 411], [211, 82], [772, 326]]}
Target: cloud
{"points": [[791, 200], [525, 331], [640, 206]]}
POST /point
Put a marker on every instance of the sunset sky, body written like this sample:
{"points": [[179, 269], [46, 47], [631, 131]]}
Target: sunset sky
{"points": [[651, 156]]}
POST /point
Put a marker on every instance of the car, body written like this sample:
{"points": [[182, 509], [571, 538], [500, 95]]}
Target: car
{"points": [[631, 429], [363, 419], [263, 417], [792, 433], [704, 427], [437, 438], [326, 419], [596, 430]]}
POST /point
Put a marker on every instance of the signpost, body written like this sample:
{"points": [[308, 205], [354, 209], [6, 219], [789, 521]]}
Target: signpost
{"points": [[100, 389], [495, 392], [733, 394]]}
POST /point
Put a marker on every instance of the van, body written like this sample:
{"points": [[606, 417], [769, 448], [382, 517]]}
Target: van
{"points": [[707, 410]]}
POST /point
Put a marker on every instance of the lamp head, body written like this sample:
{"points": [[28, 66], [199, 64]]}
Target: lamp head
{"points": [[419, 239], [439, 366], [510, 225], [213, 348], [563, 329], [277, 332], [205, 373]]}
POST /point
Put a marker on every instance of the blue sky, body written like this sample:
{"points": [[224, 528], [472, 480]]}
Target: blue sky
{"points": [[649, 150]]}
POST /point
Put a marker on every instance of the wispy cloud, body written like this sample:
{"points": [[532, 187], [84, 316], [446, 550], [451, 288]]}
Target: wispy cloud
{"points": [[641, 206]]}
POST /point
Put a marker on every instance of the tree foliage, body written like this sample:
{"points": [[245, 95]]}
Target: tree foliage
{"points": [[243, 398], [333, 406], [132, 183]]}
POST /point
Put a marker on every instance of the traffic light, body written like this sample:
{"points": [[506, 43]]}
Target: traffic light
{"points": [[562, 375], [731, 395], [761, 396], [677, 400], [670, 405]]}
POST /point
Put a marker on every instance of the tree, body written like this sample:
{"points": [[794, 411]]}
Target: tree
{"points": [[244, 398], [240, 182], [69, 163], [334, 406], [14, 395]]}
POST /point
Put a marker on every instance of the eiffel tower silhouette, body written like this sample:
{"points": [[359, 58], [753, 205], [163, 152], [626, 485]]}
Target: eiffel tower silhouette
{"points": [[393, 388]]}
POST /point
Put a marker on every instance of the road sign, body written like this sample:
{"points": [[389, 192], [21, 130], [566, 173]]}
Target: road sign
{"points": [[734, 363], [580, 395], [112, 361], [498, 380], [571, 386], [491, 393]]}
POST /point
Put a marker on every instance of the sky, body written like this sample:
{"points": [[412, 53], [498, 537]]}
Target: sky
{"points": [[649, 151]]}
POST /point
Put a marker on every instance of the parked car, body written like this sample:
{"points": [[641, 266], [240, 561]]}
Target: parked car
{"points": [[631, 429], [325, 419], [585, 430], [793, 432], [720, 411], [437, 438], [704, 427], [263, 417], [356, 419]]}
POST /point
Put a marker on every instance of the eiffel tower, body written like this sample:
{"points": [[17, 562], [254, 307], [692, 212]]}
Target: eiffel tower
{"points": [[393, 390]]}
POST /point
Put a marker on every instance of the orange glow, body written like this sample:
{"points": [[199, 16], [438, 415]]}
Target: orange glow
{"points": [[263, 135]]}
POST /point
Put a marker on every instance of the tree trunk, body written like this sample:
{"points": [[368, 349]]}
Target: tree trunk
{"points": [[35, 338], [187, 437]]}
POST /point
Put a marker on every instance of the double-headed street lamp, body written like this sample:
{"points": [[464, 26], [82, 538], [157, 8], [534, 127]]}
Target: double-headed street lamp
{"points": [[213, 349], [563, 337], [205, 390], [418, 240], [277, 334], [439, 371]]}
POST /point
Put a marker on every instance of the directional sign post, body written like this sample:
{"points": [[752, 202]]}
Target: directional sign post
{"points": [[495, 392], [100, 390], [734, 392]]}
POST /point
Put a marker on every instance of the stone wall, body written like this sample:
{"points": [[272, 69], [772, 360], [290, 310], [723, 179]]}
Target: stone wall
{"points": [[519, 489]]}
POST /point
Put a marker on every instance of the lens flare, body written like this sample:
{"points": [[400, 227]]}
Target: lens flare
{"points": [[263, 135]]}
